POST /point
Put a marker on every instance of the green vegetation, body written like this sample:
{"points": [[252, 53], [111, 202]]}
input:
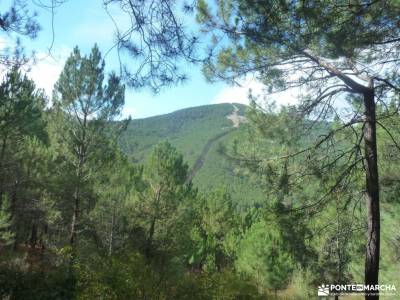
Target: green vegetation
{"points": [[93, 220], [144, 231], [178, 127], [190, 131], [331, 51], [194, 205]]}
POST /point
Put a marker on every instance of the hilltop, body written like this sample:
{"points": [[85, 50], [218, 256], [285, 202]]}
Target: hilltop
{"points": [[197, 133]]}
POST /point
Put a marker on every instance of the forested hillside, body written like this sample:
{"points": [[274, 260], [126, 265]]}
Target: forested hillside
{"points": [[265, 201], [199, 134], [95, 206]]}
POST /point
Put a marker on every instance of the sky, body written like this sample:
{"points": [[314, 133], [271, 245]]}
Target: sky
{"points": [[84, 23]]}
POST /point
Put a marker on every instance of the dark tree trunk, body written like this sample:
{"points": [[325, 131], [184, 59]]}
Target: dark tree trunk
{"points": [[73, 233], [371, 165], [2, 156], [34, 235], [16, 213], [372, 193]]}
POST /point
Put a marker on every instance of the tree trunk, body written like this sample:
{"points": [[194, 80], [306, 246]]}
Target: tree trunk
{"points": [[33, 238], [77, 191], [75, 216], [110, 248], [2, 156], [74, 225], [371, 165], [372, 193]]}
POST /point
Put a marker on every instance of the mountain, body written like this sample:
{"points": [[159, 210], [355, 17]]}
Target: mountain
{"points": [[198, 134]]}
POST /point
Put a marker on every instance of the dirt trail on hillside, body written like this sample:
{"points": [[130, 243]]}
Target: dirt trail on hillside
{"points": [[236, 120], [200, 161]]}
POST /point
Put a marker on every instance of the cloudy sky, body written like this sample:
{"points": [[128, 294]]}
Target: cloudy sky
{"points": [[84, 23]]}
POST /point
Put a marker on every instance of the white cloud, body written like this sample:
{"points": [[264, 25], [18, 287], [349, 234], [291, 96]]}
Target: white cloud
{"points": [[47, 69], [240, 94]]}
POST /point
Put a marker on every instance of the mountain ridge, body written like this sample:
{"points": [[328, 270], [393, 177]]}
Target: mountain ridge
{"points": [[197, 133]]}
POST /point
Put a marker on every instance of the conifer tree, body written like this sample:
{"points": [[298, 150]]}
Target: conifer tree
{"points": [[21, 113], [160, 196], [329, 50], [86, 106], [262, 256]]}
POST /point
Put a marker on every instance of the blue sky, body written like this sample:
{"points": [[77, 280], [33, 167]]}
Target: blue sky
{"points": [[84, 23]]}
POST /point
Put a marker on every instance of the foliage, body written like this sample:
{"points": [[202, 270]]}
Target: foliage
{"points": [[84, 107], [6, 235], [185, 205], [262, 256], [215, 231], [160, 198], [190, 130], [17, 21], [156, 38]]}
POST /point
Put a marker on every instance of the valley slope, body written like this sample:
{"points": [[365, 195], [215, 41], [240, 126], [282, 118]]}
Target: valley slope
{"points": [[197, 133]]}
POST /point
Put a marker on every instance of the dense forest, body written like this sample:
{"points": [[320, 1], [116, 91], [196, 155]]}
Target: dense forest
{"points": [[93, 206]]}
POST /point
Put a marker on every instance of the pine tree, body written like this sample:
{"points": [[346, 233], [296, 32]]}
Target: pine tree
{"points": [[22, 129], [85, 106], [331, 50], [159, 199], [216, 231], [110, 217], [21, 113], [262, 256]]}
